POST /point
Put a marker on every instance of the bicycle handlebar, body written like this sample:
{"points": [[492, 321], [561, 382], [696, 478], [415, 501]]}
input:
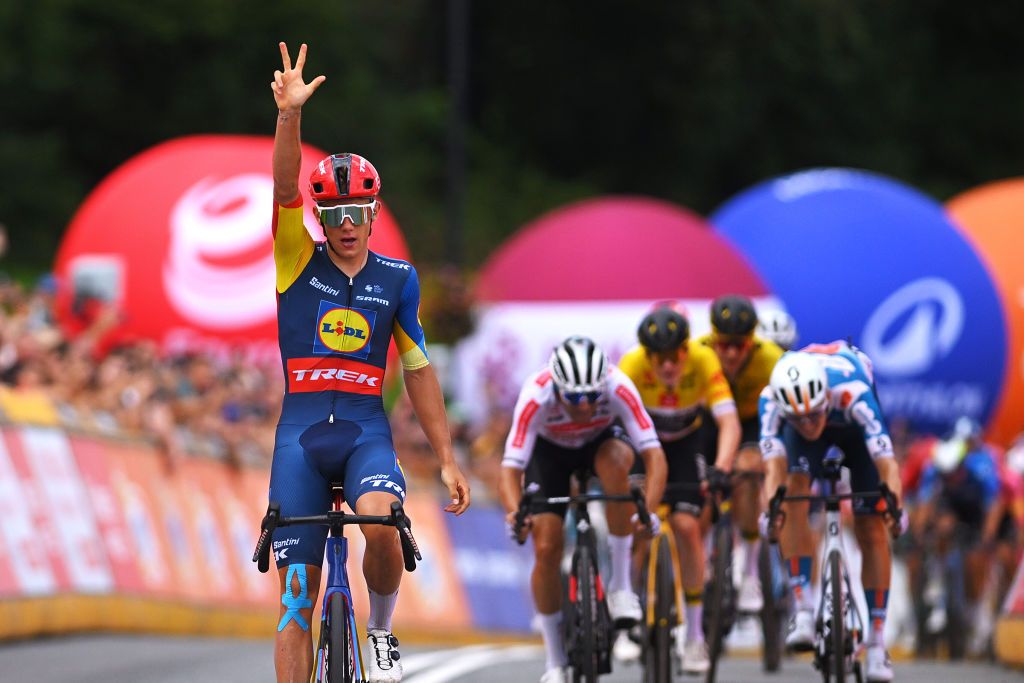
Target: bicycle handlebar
{"points": [[398, 519], [777, 516], [635, 496]]}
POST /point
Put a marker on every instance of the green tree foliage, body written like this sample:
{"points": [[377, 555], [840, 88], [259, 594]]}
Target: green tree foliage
{"points": [[691, 102]]}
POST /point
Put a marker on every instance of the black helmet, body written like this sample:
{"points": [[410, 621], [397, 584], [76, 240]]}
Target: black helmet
{"points": [[663, 329], [733, 315]]}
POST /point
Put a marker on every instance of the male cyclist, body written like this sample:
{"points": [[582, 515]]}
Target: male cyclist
{"points": [[568, 416], [778, 326], [959, 505], [747, 361], [822, 397], [676, 380], [334, 344]]}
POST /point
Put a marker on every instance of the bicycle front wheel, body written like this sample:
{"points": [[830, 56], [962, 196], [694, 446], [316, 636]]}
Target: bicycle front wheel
{"points": [[341, 643], [658, 624], [771, 611], [583, 653], [837, 637], [718, 599]]}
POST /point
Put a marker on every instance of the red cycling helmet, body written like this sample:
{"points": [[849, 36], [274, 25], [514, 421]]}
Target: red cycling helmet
{"points": [[341, 176]]}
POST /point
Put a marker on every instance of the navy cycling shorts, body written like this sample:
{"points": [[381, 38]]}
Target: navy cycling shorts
{"points": [[308, 459], [805, 457]]}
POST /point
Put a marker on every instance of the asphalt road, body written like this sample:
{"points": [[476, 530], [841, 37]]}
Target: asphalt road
{"points": [[146, 659]]}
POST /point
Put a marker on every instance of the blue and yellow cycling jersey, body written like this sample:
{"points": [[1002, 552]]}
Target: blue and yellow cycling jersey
{"points": [[334, 331]]}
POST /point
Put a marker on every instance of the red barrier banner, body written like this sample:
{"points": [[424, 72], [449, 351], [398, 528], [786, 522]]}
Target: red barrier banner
{"points": [[25, 568], [61, 511], [132, 573]]}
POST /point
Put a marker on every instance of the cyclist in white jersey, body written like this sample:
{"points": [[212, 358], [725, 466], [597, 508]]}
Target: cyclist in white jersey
{"points": [[580, 411]]}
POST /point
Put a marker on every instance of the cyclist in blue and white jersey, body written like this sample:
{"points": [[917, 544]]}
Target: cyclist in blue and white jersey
{"points": [[339, 305], [579, 412], [818, 398]]}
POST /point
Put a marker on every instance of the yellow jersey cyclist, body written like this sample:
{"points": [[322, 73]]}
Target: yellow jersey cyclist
{"points": [[676, 380], [747, 361]]}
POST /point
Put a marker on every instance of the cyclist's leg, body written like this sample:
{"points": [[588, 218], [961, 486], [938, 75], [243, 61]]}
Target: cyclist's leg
{"points": [[373, 481], [298, 550], [709, 447], [550, 469], [686, 466], [871, 532], [746, 508], [796, 541], [612, 463]]}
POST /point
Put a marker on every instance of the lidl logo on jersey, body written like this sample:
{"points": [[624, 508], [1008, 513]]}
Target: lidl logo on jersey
{"points": [[343, 330]]}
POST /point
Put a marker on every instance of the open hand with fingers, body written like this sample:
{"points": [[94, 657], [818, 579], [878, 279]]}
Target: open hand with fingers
{"points": [[290, 91], [458, 488]]}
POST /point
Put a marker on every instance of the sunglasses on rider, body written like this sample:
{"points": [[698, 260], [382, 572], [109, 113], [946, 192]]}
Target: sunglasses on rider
{"points": [[358, 214], [809, 418], [738, 343], [576, 397]]}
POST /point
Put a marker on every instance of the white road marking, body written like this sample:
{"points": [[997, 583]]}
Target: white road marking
{"points": [[459, 665]]}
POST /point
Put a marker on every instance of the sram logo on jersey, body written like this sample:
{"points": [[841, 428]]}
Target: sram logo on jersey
{"points": [[333, 374], [343, 330]]}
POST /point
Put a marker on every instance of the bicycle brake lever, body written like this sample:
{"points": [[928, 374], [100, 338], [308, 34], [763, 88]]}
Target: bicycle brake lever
{"points": [[410, 549], [261, 556]]}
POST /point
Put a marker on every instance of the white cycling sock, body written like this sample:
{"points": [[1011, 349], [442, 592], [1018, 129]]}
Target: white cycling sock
{"points": [[551, 629], [694, 621], [381, 609], [752, 549], [621, 549]]}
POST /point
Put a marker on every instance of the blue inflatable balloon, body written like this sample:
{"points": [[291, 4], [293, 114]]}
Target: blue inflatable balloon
{"points": [[854, 255]]}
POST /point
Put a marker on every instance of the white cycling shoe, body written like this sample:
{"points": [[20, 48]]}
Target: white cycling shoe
{"points": [[879, 665], [556, 675], [750, 599], [695, 658], [800, 633], [385, 666], [625, 649], [624, 607]]}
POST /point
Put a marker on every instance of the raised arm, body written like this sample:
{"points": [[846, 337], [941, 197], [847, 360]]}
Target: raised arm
{"points": [[290, 93]]}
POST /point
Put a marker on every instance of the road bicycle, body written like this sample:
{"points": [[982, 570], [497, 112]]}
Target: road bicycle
{"points": [[661, 595], [839, 630], [588, 628], [721, 595], [338, 655]]}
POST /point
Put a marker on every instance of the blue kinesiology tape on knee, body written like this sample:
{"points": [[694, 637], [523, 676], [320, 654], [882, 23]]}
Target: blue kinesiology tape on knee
{"points": [[295, 602]]}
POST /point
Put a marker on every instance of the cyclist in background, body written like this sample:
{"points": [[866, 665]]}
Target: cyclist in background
{"points": [[676, 379], [747, 361], [818, 398], [334, 345], [959, 502], [577, 412], [778, 326]]}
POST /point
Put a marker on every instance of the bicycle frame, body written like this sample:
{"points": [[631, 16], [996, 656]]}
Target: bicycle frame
{"points": [[853, 627], [665, 535], [337, 584], [588, 648], [337, 574]]}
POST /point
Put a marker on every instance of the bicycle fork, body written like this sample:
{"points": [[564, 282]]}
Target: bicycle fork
{"points": [[850, 616], [338, 588], [652, 575]]}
